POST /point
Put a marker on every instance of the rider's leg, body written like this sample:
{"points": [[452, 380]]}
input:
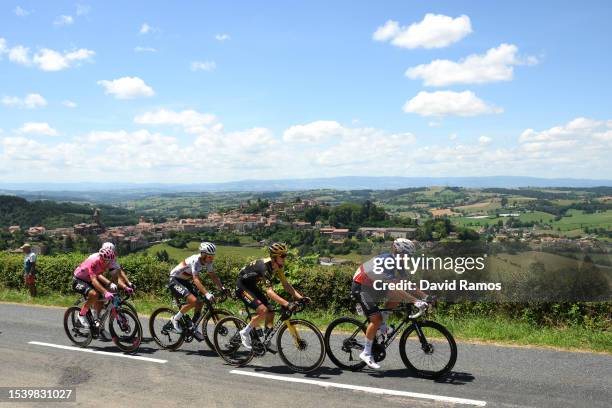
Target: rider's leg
{"points": [[92, 297], [262, 311], [191, 302], [197, 311], [269, 319]]}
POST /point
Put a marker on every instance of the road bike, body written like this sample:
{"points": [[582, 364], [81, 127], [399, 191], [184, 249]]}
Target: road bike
{"points": [[299, 343], [124, 327], [427, 348], [164, 334], [103, 333]]}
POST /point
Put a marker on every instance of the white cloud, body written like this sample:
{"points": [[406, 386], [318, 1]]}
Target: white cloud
{"points": [[63, 20], [314, 132], [19, 55], [452, 136], [192, 121], [82, 9], [484, 140], [30, 101], [126, 88], [449, 103], [146, 29], [203, 66], [144, 49], [434, 31], [46, 59], [21, 12], [496, 65], [69, 104], [37, 128], [222, 37]]}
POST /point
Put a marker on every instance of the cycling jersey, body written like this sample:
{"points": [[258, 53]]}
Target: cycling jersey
{"points": [[114, 266], [259, 270], [366, 274], [190, 267], [91, 267]]}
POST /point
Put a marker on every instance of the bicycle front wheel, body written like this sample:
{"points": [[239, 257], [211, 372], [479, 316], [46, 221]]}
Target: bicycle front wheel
{"points": [[126, 330], [428, 349], [300, 345], [209, 322], [163, 331], [344, 341], [77, 334], [226, 338]]}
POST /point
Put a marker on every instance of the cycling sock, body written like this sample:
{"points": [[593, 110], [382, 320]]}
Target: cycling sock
{"points": [[368, 347], [178, 316], [94, 314], [247, 329], [84, 310]]}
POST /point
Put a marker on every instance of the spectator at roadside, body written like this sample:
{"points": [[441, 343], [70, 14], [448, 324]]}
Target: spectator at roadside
{"points": [[29, 268]]}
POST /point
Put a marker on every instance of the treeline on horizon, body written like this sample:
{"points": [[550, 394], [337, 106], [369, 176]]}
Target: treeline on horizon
{"points": [[51, 214]]}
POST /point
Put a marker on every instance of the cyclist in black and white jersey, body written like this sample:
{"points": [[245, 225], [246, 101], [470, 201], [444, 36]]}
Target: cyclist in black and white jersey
{"points": [[185, 283]]}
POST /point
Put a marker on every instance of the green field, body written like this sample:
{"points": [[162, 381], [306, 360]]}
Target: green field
{"points": [[192, 248]]}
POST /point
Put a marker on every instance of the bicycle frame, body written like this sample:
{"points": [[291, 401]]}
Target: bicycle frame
{"points": [[405, 321], [285, 318]]}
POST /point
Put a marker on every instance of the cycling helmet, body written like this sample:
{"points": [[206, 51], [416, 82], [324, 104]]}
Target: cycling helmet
{"points": [[107, 254], [278, 248], [208, 248], [108, 245], [404, 246]]}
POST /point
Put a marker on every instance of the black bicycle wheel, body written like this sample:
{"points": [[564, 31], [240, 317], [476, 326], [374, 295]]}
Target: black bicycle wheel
{"points": [[300, 345], [430, 353], [126, 330], [162, 331], [209, 322], [226, 338], [344, 341], [74, 330]]}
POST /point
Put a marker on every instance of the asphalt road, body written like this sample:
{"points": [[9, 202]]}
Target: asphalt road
{"points": [[484, 374]]}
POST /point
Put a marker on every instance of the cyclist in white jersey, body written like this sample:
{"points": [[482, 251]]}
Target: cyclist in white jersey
{"points": [[185, 283]]}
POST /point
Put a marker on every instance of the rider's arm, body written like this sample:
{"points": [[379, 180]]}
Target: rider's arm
{"points": [[288, 287], [216, 279], [276, 297], [198, 283], [95, 281], [123, 280]]}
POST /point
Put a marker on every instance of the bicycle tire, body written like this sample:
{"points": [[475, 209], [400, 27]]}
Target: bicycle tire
{"points": [[71, 317], [348, 345], [445, 333], [215, 315], [157, 337], [227, 341], [303, 345], [132, 342]]}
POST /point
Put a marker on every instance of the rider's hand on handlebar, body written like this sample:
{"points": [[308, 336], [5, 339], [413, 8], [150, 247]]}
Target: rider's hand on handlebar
{"points": [[128, 290], [306, 300], [210, 297], [291, 306], [113, 287], [421, 304], [108, 295]]}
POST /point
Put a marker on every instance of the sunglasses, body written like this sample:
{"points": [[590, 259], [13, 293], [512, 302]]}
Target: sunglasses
{"points": [[283, 256]]}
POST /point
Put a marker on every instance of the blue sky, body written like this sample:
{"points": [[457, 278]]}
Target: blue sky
{"points": [[210, 91]]}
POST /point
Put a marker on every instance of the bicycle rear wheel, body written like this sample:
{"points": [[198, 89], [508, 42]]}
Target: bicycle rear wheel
{"points": [[209, 322], [74, 330], [301, 346], [344, 340], [226, 338], [428, 349], [126, 330], [162, 330]]}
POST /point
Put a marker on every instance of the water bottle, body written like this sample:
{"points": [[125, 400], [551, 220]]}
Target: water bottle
{"points": [[359, 310]]}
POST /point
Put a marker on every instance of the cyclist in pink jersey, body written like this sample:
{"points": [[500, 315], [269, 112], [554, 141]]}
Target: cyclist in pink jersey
{"points": [[88, 280]]}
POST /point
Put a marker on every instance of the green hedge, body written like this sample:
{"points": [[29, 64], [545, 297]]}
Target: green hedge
{"points": [[327, 286]]}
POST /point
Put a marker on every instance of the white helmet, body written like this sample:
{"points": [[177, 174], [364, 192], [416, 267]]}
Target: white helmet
{"points": [[109, 245], [404, 246], [208, 248]]}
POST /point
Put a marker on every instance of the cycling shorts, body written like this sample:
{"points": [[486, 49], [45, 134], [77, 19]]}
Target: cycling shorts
{"points": [[251, 295]]}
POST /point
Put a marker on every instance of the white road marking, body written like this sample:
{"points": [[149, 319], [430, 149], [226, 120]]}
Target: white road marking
{"points": [[372, 390], [105, 353]]}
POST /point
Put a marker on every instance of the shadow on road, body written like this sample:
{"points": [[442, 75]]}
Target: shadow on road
{"points": [[322, 373], [454, 377]]}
